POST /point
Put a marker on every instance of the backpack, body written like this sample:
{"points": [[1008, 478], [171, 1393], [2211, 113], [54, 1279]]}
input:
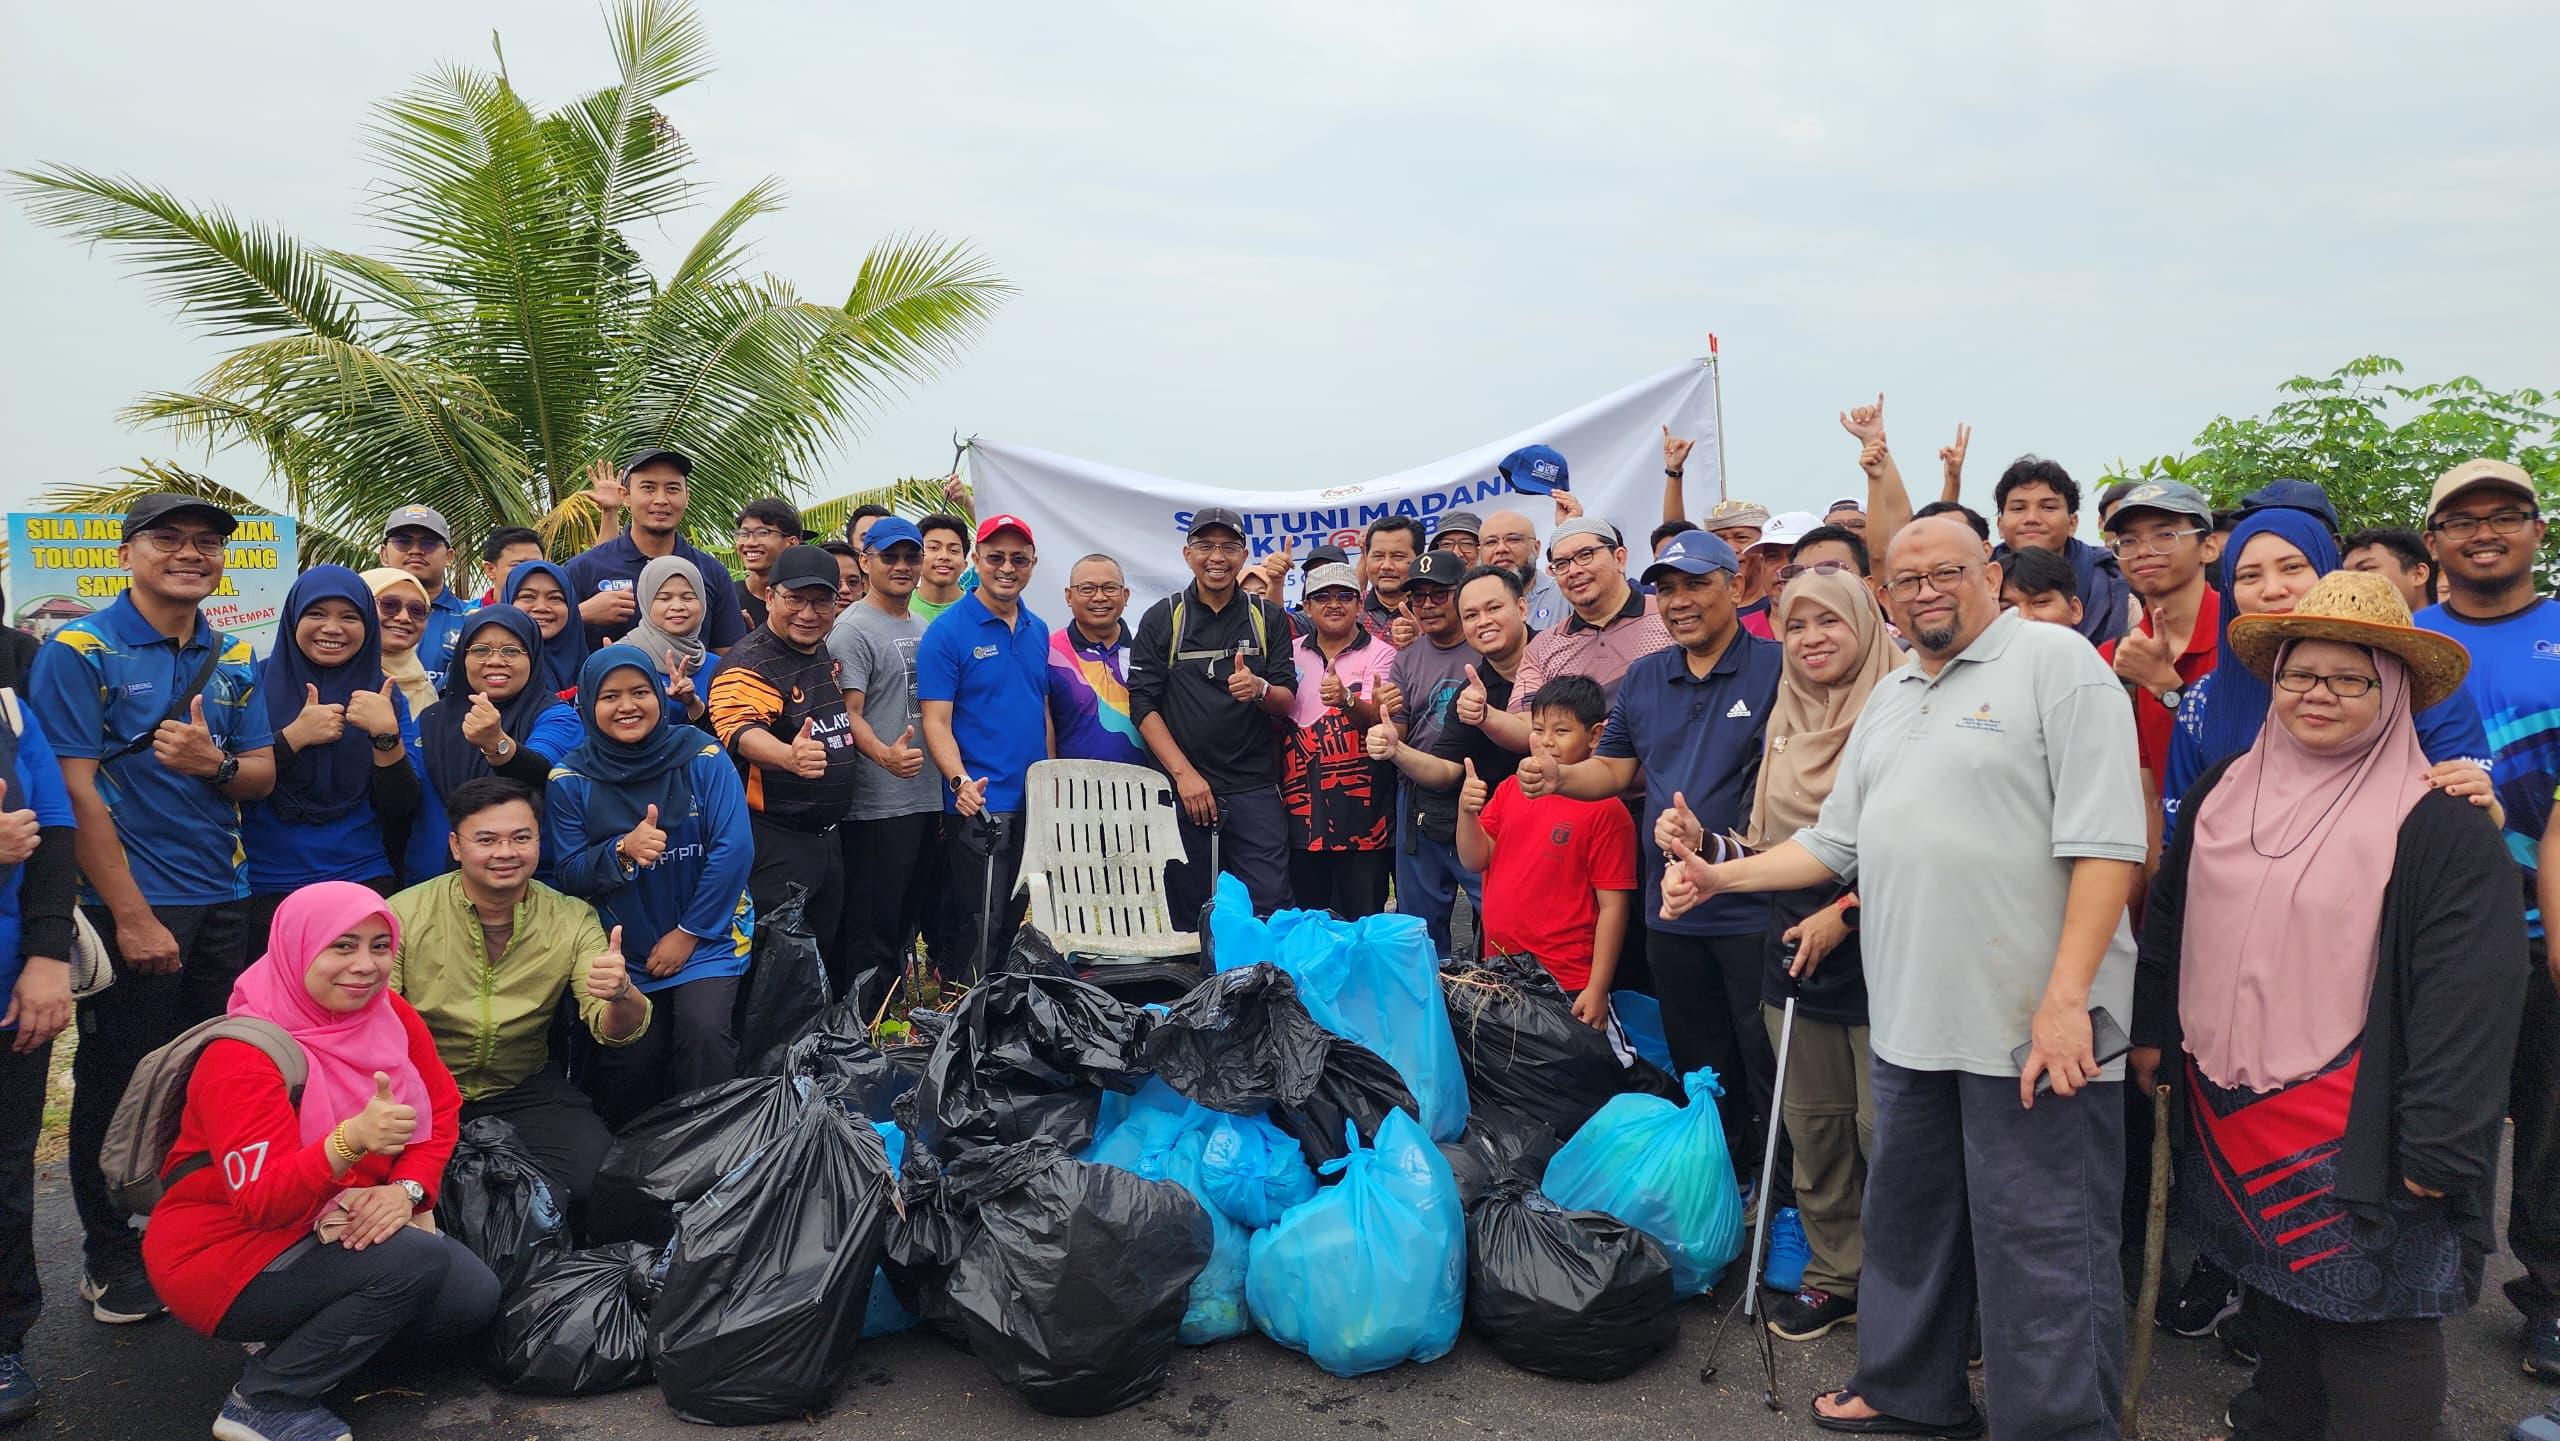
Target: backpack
{"points": [[146, 1119]]}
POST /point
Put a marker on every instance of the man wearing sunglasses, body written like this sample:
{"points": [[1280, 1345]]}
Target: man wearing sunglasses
{"points": [[2162, 534], [417, 539]]}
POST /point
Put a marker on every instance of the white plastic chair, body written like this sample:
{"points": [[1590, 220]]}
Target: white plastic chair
{"points": [[1097, 836]]}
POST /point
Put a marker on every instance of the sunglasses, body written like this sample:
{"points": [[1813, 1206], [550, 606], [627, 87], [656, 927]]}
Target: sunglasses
{"points": [[396, 609], [1820, 567]]}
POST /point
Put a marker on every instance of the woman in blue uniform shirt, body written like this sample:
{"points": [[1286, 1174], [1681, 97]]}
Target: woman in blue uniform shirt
{"points": [[496, 718]]}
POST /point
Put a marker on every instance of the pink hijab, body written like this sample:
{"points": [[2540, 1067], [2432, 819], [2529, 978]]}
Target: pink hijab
{"points": [[344, 1048], [2283, 926]]}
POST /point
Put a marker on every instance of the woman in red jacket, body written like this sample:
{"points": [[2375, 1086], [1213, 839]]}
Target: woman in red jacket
{"points": [[306, 1229]]}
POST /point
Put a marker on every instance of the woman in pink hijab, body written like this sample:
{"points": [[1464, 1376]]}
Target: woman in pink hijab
{"points": [[307, 1227], [2332, 969]]}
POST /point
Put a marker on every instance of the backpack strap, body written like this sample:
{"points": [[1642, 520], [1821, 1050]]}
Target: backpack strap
{"points": [[272, 1040], [178, 703]]}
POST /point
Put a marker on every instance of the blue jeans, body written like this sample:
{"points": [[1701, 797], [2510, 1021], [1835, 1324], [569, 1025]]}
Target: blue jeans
{"points": [[1428, 879]]}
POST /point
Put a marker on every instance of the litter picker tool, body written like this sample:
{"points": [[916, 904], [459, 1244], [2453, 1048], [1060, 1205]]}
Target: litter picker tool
{"points": [[1749, 1305], [2155, 1242]]}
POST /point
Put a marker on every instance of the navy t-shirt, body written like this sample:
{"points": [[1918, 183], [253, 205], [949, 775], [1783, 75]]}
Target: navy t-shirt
{"points": [[1699, 737], [616, 565]]}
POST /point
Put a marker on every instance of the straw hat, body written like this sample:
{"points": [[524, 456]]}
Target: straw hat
{"points": [[2359, 608]]}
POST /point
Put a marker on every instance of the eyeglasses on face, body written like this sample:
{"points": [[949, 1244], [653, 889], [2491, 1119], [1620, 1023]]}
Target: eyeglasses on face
{"points": [[1096, 589], [1942, 580], [1588, 555], [412, 540], [497, 652], [1820, 567], [2344, 687], [2157, 543], [1229, 548], [758, 532], [399, 609], [2463, 527], [1006, 560], [169, 542]]}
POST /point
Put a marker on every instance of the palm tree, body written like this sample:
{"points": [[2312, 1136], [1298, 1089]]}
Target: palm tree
{"points": [[511, 336]]}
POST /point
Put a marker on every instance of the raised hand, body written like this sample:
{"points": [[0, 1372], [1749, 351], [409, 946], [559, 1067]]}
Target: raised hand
{"points": [[19, 830], [1678, 825], [481, 725], [680, 689], [371, 711], [1568, 505], [316, 724], [187, 746], [607, 974], [1382, 740], [1952, 456], [1871, 458], [1390, 699], [904, 761], [643, 843], [1471, 699], [1866, 422], [808, 753], [955, 493], [1242, 683], [1675, 450], [604, 486], [970, 796], [1402, 630], [1540, 775], [385, 1125], [1473, 792]]}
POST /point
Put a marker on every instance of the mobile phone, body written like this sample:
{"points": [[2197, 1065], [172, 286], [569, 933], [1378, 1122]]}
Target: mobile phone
{"points": [[2106, 1038]]}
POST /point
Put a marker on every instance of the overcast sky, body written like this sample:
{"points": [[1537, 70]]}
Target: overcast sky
{"points": [[1306, 244]]}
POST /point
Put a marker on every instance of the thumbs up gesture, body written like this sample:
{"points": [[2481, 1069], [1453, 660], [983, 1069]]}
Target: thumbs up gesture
{"points": [[808, 753], [371, 711], [481, 725], [1331, 689], [187, 746], [1471, 699], [1473, 792], [903, 760], [1402, 629], [970, 796], [384, 1126], [1678, 825], [1540, 774], [1242, 683], [607, 973], [644, 843], [18, 830], [1382, 741], [1390, 699], [2144, 660], [315, 724]]}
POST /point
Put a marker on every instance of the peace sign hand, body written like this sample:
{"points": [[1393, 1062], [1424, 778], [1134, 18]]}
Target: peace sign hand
{"points": [[680, 683], [1952, 456]]}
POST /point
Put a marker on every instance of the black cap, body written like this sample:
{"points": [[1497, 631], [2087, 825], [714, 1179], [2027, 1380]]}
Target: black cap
{"points": [[1208, 516], [1438, 567], [1325, 555], [681, 461], [805, 567], [162, 505]]}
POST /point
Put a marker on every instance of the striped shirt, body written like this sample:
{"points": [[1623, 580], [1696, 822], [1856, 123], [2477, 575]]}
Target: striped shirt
{"points": [[767, 682]]}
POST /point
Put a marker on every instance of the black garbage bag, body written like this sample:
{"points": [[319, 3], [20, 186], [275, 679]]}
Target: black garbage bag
{"points": [[924, 1236], [1577, 1294], [1072, 1278], [671, 1153], [846, 1069], [1034, 954], [786, 988], [1525, 1054], [1508, 1145], [1356, 1085], [580, 1327], [497, 1202], [769, 1273], [1241, 1042], [1025, 1056]]}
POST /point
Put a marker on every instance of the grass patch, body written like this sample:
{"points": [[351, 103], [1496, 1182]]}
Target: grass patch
{"points": [[55, 1139]]}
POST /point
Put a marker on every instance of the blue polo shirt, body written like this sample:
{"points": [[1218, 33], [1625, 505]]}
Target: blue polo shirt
{"points": [[35, 784], [107, 679], [1701, 737], [445, 616], [616, 565], [997, 680]]}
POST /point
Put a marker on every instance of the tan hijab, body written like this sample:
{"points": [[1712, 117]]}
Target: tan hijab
{"points": [[1810, 726], [405, 669]]}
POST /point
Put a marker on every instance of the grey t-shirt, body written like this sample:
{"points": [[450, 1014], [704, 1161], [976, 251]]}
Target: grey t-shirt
{"points": [[876, 653], [1960, 806]]}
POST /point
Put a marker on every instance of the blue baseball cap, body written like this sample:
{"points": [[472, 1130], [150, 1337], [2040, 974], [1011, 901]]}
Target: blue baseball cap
{"points": [[891, 530], [2299, 495], [1536, 470], [1693, 552]]}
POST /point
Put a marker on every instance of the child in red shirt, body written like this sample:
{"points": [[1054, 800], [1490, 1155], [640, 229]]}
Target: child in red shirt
{"points": [[1559, 874]]}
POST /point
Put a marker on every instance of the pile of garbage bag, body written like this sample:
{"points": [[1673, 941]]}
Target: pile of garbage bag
{"points": [[497, 1202], [1024, 1057], [1526, 1054], [1577, 1294], [1663, 1169], [786, 987], [578, 1328], [672, 1153], [1371, 1271]]}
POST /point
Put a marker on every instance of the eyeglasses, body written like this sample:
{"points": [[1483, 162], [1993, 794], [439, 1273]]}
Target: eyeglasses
{"points": [[1820, 567], [2463, 527], [2344, 687], [412, 540], [892, 559], [1219, 547], [1509, 537], [1000, 560], [169, 542], [396, 609], [1943, 580], [1340, 597], [2157, 543], [1588, 555], [497, 652], [1096, 590], [758, 532]]}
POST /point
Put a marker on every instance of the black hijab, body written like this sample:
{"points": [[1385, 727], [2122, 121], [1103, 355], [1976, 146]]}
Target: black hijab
{"points": [[451, 760]]}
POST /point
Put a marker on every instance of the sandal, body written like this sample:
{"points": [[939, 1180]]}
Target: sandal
{"points": [[1882, 1425]]}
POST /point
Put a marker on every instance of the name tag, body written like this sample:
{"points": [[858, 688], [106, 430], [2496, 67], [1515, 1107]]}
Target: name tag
{"points": [[984, 652]]}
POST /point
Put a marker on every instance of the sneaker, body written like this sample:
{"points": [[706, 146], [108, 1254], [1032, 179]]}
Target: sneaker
{"points": [[1783, 1268], [2239, 1339], [2541, 1344], [18, 1395], [2206, 1300], [119, 1293], [241, 1421], [1810, 1314]]}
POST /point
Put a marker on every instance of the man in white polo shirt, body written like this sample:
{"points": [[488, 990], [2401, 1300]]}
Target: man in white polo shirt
{"points": [[1988, 808]]}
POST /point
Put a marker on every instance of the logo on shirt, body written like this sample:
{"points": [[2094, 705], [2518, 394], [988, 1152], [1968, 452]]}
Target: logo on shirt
{"points": [[2546, 650], [984, 652], [1740, 711], [1981, 720], [1561, 835]]}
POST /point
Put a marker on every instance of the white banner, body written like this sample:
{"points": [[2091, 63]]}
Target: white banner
{"points": [[1612, 449]]}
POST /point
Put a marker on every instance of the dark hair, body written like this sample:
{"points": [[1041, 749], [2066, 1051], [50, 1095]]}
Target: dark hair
{"points": [[507, 535], [483, 793], [2115, 490], [2036, 470], [774, 511], [2224, 520], [1960, 511], [1841, 534], [942, 521], [1578, 694], [2037, 571], [2405, 544], [1670, 528], [1510, 578], [1405, 523], [862, 513], [842, 548]]}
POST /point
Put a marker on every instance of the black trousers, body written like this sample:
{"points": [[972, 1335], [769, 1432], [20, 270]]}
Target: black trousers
{"points": [[985, 860], [324, 1311], [557, 1124], [22, 1081], [811, 860], [892, 868], [128, 1021], [2533, 1102], [1351, 884], [692, 1042], [1252, 846], [1709, 987], [2341, 1381]]}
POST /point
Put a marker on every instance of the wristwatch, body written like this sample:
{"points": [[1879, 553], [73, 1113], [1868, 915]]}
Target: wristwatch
{"points": [[223, 773], [417, 1194], [389, 742], [1674, 474], [2173, 697]]}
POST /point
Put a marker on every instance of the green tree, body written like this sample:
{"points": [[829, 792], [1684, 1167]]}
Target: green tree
{"points": [[2374, 444], [510, 336]]}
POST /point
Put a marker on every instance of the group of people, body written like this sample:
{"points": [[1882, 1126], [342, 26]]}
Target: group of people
{"points": [[1973, 828]]}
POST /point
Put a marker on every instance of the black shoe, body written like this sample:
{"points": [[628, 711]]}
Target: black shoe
{"points": [[2541, 1344], [119, 1292], [1809, 1314], [2239, 1339], [2206, 1300]]}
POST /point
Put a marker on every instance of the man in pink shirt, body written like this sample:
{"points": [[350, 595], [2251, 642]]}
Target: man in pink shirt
{"points": [[1340, 802]]}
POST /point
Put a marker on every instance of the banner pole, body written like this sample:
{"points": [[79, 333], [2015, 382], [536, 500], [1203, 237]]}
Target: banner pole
{"points": [[1715, 373]]}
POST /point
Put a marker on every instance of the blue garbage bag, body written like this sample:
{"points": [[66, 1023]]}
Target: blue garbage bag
{"points": [[1372, 1272], [1377, 981], [1661, 1168], [1253, 1171], [1237, 937], [884, 1314], [1640, 1016], [1160, 1135]]}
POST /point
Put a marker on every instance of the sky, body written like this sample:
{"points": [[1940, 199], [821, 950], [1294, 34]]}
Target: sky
{"points": [[1276, 246]]}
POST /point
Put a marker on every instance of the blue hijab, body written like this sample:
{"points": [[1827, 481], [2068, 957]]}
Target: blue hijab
{"points": [[626, 778], [325, 783], [561, 655], [451, 760], [2240, 699]]}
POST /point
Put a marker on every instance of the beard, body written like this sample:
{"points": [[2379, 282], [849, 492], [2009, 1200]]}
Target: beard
{"points": [[1938, 641], [1527, 571]]}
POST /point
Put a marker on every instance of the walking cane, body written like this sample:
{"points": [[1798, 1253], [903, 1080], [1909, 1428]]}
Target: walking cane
{"points": [[1749, 1305], [2155, 1238], [993, 832]]}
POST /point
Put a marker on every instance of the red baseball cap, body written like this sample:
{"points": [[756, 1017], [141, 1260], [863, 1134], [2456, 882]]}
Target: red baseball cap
{"points": [[994, 523]]}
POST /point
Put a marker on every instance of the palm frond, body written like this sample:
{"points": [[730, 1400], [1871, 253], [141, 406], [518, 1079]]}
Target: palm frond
{"points": [[623, 162]]}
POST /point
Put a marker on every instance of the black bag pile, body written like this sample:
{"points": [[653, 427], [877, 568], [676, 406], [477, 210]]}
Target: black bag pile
{"points": [[1023, 1057], [845, 1069], [1068, 1279], [786, 988], [673, 1152], [1576, 1294], [496, 1201], [1242, 1042], [1526, 1055], [1494, 1147], [1034, 954], [767, 1278], [579, 1327]]}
